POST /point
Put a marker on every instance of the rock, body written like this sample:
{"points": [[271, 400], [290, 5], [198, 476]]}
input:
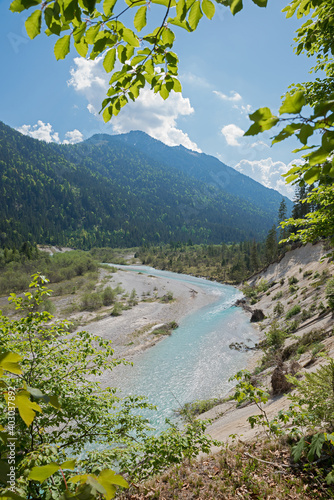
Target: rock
{"points": [[279, 382], [257, 315]]}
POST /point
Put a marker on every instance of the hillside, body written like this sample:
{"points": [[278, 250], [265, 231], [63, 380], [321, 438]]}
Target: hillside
{"points": [[106, 191]]}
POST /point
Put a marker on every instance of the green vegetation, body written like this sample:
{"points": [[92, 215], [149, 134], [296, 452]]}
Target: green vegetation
{"points": [[330, 293], [227, 263], [293, 311], [104, 193], [70, 433]]}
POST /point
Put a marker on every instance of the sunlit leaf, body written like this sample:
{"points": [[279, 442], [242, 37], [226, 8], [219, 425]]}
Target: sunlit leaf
{"points": [[293, 103], [208, 8], [109, 60], [62, 47], [43, 472], [140, 20], [33, 24]]}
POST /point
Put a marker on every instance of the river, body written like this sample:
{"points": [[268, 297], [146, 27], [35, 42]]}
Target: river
{"points": [[195, 362]]}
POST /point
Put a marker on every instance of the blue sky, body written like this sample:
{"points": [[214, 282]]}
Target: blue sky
{"points": [[229, 67]]}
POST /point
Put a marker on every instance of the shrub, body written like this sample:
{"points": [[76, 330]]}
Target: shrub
{"points": [[108, 296], [275, 337], [330, 293], [307, 273], [91, 301], [278, 309], [293, 311], [292, 280], [117, 309], [278, 295]]}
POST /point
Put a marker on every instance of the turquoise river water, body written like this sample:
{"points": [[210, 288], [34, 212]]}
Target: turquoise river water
{"points": [[195, 362]]}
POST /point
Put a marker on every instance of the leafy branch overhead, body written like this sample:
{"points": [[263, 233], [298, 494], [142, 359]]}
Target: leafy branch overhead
{"points": [[134, 56]]}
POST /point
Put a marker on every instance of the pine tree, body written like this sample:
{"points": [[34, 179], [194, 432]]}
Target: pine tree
{"points": [[271, 246]]}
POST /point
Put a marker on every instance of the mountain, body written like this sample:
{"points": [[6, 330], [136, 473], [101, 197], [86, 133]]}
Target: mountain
{"points": [[110, 191], [200, 166]]}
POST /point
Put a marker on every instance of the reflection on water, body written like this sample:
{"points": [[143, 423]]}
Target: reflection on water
{"points": [[195, 362]]}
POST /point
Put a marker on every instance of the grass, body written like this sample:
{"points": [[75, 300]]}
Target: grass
{"points": [[238, 471]]}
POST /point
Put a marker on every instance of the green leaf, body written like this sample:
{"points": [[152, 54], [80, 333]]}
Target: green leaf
{"points": [[81, 47], [10, 362], [168, 36], [261, 114], [164, 92], [286, 132], [195, 15], [177, 86], [298, 449], [306, 131], [42, 473], [69, 464], [254, 129], [33, 24], [129, 37], [26, 407], [92, 33], [208, 8], [311, 175], [107, 478], [316, 446], [181, 10], [21, 5], [109, 60], [108, 6], [327, 141], [261, 3], [293, 103], [236, 6], [79, 32], [140, 20], [62, 47], [107, 114], [317, 157]]}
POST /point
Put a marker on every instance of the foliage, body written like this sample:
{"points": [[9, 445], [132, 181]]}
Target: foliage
{"points": [[330, 293], [91, 486], [275, 337], [293, 311], [278, 309], [134, 58], [63, 409], [104, 193], [313, 39]]}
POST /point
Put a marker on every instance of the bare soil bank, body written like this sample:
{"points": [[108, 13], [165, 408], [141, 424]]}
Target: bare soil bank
{"points": [[302, 270]]}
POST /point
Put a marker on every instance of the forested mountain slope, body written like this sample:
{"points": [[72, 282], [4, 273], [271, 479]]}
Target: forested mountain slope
{"points": [[200, 166], [108, 192]]}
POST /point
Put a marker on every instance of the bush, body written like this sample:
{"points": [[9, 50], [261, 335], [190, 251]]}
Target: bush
{"points": [[108, 296], [91, 301], [278, 309], [293, 311], [293, 280], [330, 293], [275, 337]]}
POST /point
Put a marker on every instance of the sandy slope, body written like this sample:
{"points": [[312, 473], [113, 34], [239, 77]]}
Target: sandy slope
{"points": [[230, 420]]}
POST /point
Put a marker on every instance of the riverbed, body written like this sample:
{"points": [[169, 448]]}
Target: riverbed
{"points": [[195, 362]]}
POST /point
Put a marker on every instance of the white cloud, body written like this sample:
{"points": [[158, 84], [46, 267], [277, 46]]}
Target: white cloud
{"points": [[232, 133], [234, 97], [269, 173], [44, 132], [41, 131], [73, 136], [150, 113]]}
